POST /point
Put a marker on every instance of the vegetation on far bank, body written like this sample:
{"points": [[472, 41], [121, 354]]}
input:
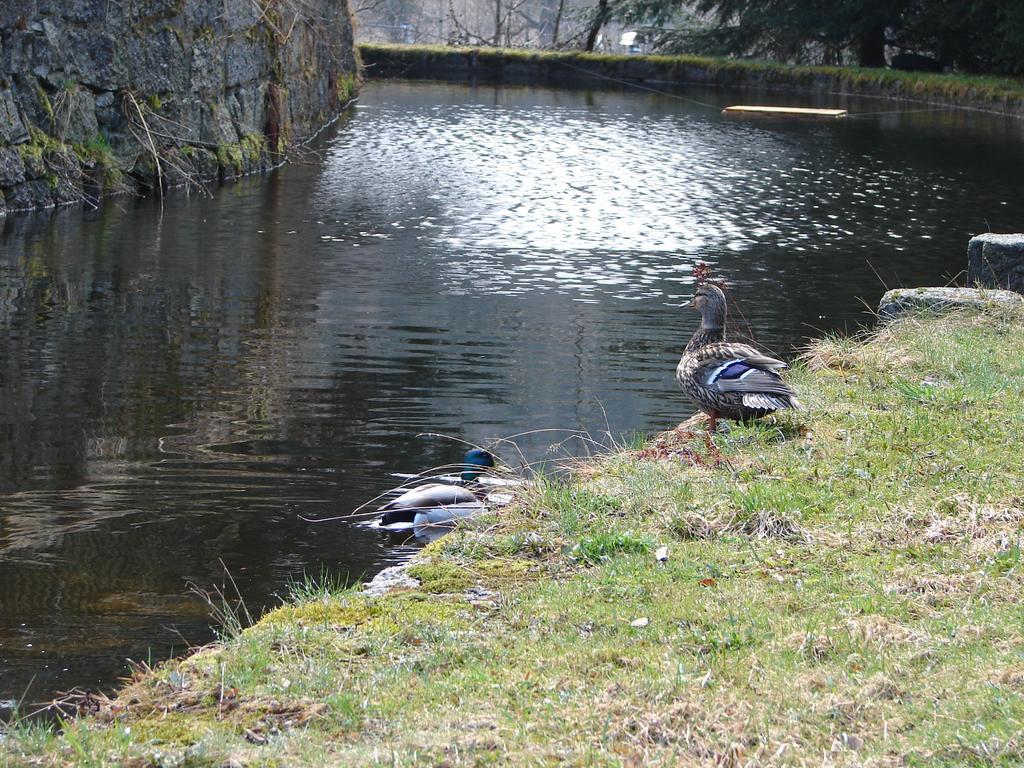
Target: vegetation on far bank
{"points": [[972, 35], [967, 89], [843, 588]]}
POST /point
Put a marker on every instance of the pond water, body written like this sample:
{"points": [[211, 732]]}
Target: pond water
{"points": [[182, 382]]}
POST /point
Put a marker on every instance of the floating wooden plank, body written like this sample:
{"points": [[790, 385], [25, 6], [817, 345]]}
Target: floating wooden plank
{"points": [[789, 111]]}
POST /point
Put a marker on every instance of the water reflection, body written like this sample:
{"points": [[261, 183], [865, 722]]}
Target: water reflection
{"points": [[180, 386]]}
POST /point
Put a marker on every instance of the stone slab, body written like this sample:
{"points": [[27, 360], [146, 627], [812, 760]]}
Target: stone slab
{"points": [[996, 261], [905, 301]]}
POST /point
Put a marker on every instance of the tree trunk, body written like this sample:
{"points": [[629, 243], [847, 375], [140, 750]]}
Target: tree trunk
{"points": [[871, 51], [558, 21], [497, 22], [595, 28]]}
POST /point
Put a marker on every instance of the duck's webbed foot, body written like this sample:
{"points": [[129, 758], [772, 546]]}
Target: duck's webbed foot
{"points": [[709, 440]]}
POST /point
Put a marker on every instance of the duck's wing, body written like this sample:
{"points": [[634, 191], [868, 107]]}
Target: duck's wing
{"points": [[747, 372], [402, 511], [446, 516], [484, 479]]}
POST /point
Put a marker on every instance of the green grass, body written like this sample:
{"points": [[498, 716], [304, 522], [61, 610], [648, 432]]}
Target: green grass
{"points": [[842, 588], [970, 90]]}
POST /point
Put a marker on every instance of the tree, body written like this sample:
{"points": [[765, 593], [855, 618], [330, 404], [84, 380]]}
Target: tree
{"points": [[794, 29], [653, 13], [972, 35]]}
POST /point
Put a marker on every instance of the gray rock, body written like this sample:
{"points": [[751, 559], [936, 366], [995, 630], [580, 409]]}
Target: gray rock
{"points": [[155, 64], [239, 15], [109, 117], [14, 12], [389, 580], [95, 57], [904, 301], [33, 103], [189, 166], [35, 168], [74, 115], [24, 51], [247, 109], [217, 126], [205, 165], [207, 66], [68, 190], [246, 61], [12, 129], [29, 195], [996, 261], [12, 169], [65, 176]]}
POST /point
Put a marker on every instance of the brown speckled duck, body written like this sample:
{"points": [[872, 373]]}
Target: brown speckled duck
{"points": [[732, 381]]}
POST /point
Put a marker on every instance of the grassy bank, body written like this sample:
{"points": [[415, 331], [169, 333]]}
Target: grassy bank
{"points": [[843, 589], [557, 67]]}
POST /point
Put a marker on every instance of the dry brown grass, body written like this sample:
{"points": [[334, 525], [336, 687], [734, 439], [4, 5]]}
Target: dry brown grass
{"points": [[873, 351], [880, 632]]}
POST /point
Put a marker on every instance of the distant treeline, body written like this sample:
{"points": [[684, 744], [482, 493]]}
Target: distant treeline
{"points": [[975, 36], [965, 36]]}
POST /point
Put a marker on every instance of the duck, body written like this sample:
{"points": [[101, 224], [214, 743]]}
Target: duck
{"points": [[729, 380], [440, 503]]}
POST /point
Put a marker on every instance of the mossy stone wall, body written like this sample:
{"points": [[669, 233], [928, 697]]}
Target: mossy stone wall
{"points": [[98, 95]]}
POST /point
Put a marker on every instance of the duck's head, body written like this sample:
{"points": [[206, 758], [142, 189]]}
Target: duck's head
{"points": [[710, 302], [474, 463]]}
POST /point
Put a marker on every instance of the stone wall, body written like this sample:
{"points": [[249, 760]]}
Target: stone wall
{"points": [[100, 96]]}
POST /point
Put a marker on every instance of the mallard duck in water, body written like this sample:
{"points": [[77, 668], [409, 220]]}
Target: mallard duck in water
{"points": [[732, 381], [440, 503]]}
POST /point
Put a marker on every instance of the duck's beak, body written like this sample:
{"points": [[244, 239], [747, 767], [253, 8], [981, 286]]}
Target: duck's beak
{"points": [[688, 302]]}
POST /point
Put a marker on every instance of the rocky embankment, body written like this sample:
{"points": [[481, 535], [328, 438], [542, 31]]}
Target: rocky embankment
{"points": [[102, 97]]}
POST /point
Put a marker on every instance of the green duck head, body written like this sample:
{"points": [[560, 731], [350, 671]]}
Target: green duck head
{"points": [[475, 463]]}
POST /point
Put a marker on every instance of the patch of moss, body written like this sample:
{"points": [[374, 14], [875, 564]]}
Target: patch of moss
{"points": [[439, 576], [40, 143], [502, 569], [348, 87], [253, 147], [334, 613], [244, 155], [229, 156], [404, 609], [97, 152], [176, 728], [44, 101]]}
